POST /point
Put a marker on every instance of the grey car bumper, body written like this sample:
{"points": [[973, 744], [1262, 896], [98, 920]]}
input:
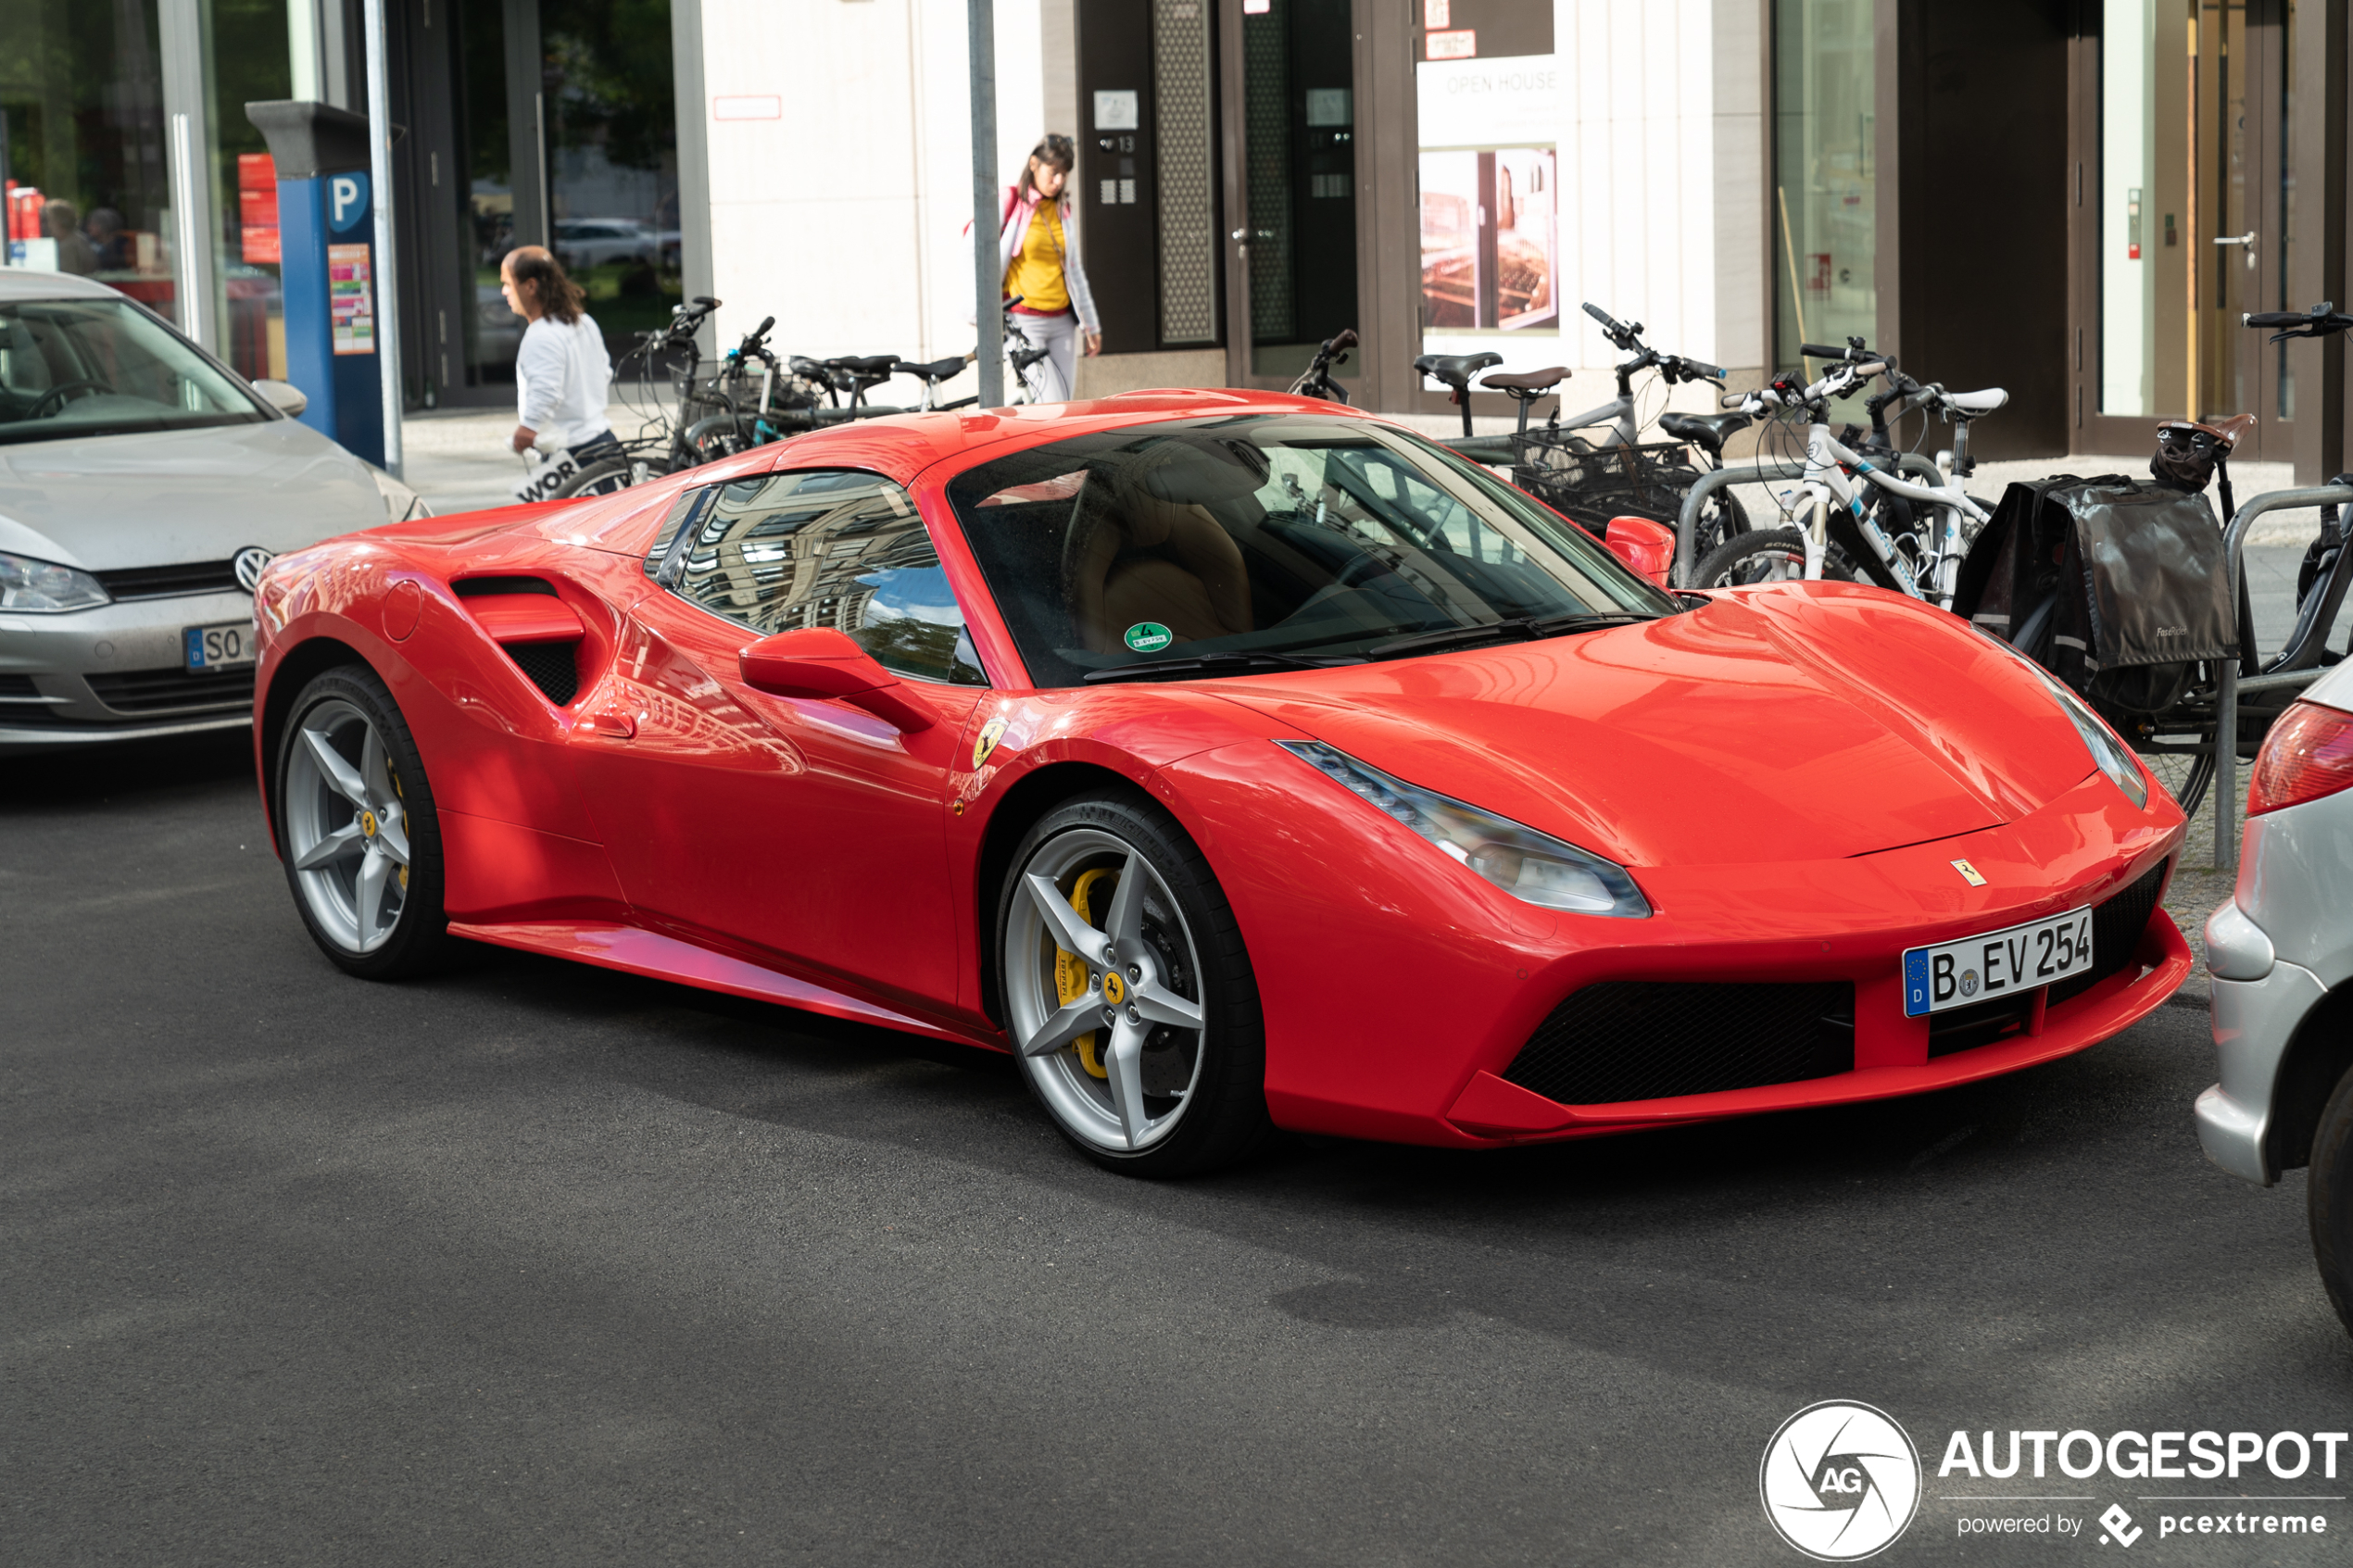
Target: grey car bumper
{"points": [[117, 673], [2254, 1019]]}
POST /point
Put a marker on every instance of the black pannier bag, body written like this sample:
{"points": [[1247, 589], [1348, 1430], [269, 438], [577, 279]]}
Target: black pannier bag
{"points": [[2116, 586]]}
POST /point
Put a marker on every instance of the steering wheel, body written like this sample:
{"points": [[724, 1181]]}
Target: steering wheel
{"points": [[60, 393]]}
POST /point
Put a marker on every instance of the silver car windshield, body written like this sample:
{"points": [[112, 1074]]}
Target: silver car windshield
{"points": [[72, 368]]}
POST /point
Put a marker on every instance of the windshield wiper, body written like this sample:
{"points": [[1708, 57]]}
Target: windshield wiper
{"points": [[1512, 629], [1221, 663]]}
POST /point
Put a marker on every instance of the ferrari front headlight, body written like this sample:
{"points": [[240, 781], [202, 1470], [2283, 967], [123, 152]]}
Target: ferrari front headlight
{"points": [[1529, 865], [45, 588], [2108, 753]]}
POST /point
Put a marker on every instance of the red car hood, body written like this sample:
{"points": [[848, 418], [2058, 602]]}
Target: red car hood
{"points": [[1797, 723]]}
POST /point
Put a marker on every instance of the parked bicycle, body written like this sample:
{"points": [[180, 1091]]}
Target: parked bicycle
{"points": [[1854, 533], [1316, 380], [2131, 593], [1594, 466]]}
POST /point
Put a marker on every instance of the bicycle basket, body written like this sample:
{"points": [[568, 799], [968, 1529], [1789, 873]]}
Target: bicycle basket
{"points": [[1592, 484]]}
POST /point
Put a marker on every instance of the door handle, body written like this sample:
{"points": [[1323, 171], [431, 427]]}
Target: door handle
{"points": [[2247, 239]]}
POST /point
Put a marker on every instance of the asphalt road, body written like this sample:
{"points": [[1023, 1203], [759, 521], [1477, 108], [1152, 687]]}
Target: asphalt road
{"points": [[535, 1263]]}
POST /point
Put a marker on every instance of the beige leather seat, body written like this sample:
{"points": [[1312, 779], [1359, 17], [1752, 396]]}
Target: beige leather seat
{"points": [[1144, 548]]}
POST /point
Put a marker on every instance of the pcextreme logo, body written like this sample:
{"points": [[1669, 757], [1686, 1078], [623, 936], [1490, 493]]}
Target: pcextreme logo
{"points": [[1840, 1481]]}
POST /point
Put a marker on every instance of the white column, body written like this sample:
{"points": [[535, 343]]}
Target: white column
{"points": [[188, 168]]}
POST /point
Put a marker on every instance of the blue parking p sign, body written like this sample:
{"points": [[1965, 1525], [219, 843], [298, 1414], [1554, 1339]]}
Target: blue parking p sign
{"points": [[347, 201]]}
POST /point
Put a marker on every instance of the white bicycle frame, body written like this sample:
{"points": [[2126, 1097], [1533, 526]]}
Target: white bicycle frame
{"points": [[1826, 482]]}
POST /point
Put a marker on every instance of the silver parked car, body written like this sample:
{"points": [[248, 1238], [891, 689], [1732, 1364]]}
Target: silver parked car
{"points": [[2282, 953], [142, 486]]}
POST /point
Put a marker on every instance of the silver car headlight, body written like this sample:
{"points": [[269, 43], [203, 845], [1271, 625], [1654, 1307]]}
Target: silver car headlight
{"points": [[1527, 864], [401, 503], [44, 587], [2108, 753]]}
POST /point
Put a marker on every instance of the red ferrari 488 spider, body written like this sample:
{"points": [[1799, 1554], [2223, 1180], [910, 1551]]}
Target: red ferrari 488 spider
{"points": [[1236, 762]]}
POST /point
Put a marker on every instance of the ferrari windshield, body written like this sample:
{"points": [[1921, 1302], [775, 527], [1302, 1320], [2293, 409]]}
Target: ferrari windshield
{"points": [[104, 367], [1267, 538]]}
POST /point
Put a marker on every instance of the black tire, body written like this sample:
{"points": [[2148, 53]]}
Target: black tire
{"points": [[306, 801], [1767, 555], [2329, 1200], [607, 478], [1192, 944]]}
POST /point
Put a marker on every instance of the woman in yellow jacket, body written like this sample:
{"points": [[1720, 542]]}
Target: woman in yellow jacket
{"points": [[1040, 257]]}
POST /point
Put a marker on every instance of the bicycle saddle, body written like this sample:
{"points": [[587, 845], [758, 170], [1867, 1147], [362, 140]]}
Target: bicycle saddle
{"points": [[872, 365], [938, 369], [1709, 432], [2231, 431], [1456, 369], [1526, 382], [1975, 403]]}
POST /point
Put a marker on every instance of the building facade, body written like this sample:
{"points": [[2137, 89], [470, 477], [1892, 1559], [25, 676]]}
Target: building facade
{"points": [[2075, 200]]}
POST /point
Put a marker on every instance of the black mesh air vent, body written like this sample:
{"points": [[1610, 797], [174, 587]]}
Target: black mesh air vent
{"points": [[160, 691], [479, 587], [17, 685], [2116, 931], [166, 582], [1626, 1039], [552, 667]]}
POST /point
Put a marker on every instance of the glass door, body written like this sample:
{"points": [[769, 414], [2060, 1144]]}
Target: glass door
{"points": [[1290, 119], [2196, 195]]}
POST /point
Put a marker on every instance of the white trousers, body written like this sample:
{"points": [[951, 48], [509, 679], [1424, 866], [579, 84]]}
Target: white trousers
{"points": [[1055, 378]]}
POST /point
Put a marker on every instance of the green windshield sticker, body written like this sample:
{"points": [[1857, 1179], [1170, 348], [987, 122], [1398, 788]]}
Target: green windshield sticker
{"points": [[1149, 636]]}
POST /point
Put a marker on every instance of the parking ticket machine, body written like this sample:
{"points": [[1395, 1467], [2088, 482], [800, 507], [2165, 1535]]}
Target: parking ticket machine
{"points": [[327, 267]]}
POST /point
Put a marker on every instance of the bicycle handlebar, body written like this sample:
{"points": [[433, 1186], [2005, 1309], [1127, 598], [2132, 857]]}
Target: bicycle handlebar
{"points": [[1344, 338], [2321, 320]]}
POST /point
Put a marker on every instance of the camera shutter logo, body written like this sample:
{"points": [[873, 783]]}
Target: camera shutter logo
{"points": [[1839, 1480], [247, 564]]}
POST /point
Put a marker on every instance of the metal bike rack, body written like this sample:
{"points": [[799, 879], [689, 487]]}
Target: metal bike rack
{"points": [[2227, 706], [1687, 520]]}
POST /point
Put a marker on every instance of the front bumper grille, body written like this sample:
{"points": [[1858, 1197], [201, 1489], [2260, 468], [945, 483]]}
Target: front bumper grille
{"points": [[1633, 1040], [174, 691], [1640, 1039], [170, 581], [2116, 933]]}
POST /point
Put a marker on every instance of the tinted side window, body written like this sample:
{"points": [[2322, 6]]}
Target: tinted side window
{"points": [[666, 537], [829, 547]]}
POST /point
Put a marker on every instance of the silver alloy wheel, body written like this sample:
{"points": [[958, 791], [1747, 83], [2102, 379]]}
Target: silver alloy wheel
{"points": [[1143, 978], [346, 828]]}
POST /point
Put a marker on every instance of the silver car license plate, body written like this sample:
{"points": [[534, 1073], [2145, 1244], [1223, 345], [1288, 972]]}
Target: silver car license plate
{"points": [[1998, 963], [218, 647]]}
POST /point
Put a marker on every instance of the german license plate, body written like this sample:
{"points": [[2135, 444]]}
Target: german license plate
{"points": [[1999, 964], [218, 647]]}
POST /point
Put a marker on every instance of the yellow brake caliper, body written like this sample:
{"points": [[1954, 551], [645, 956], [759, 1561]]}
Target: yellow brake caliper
{"points": [[394, 775], [1070, 970]]}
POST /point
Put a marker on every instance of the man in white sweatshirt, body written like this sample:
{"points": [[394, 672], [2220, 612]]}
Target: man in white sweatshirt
{"points": [[561, 371]]}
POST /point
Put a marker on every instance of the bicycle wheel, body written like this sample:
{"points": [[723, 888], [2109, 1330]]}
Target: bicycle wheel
{"points": [[1772, 555], [607, 478]]}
